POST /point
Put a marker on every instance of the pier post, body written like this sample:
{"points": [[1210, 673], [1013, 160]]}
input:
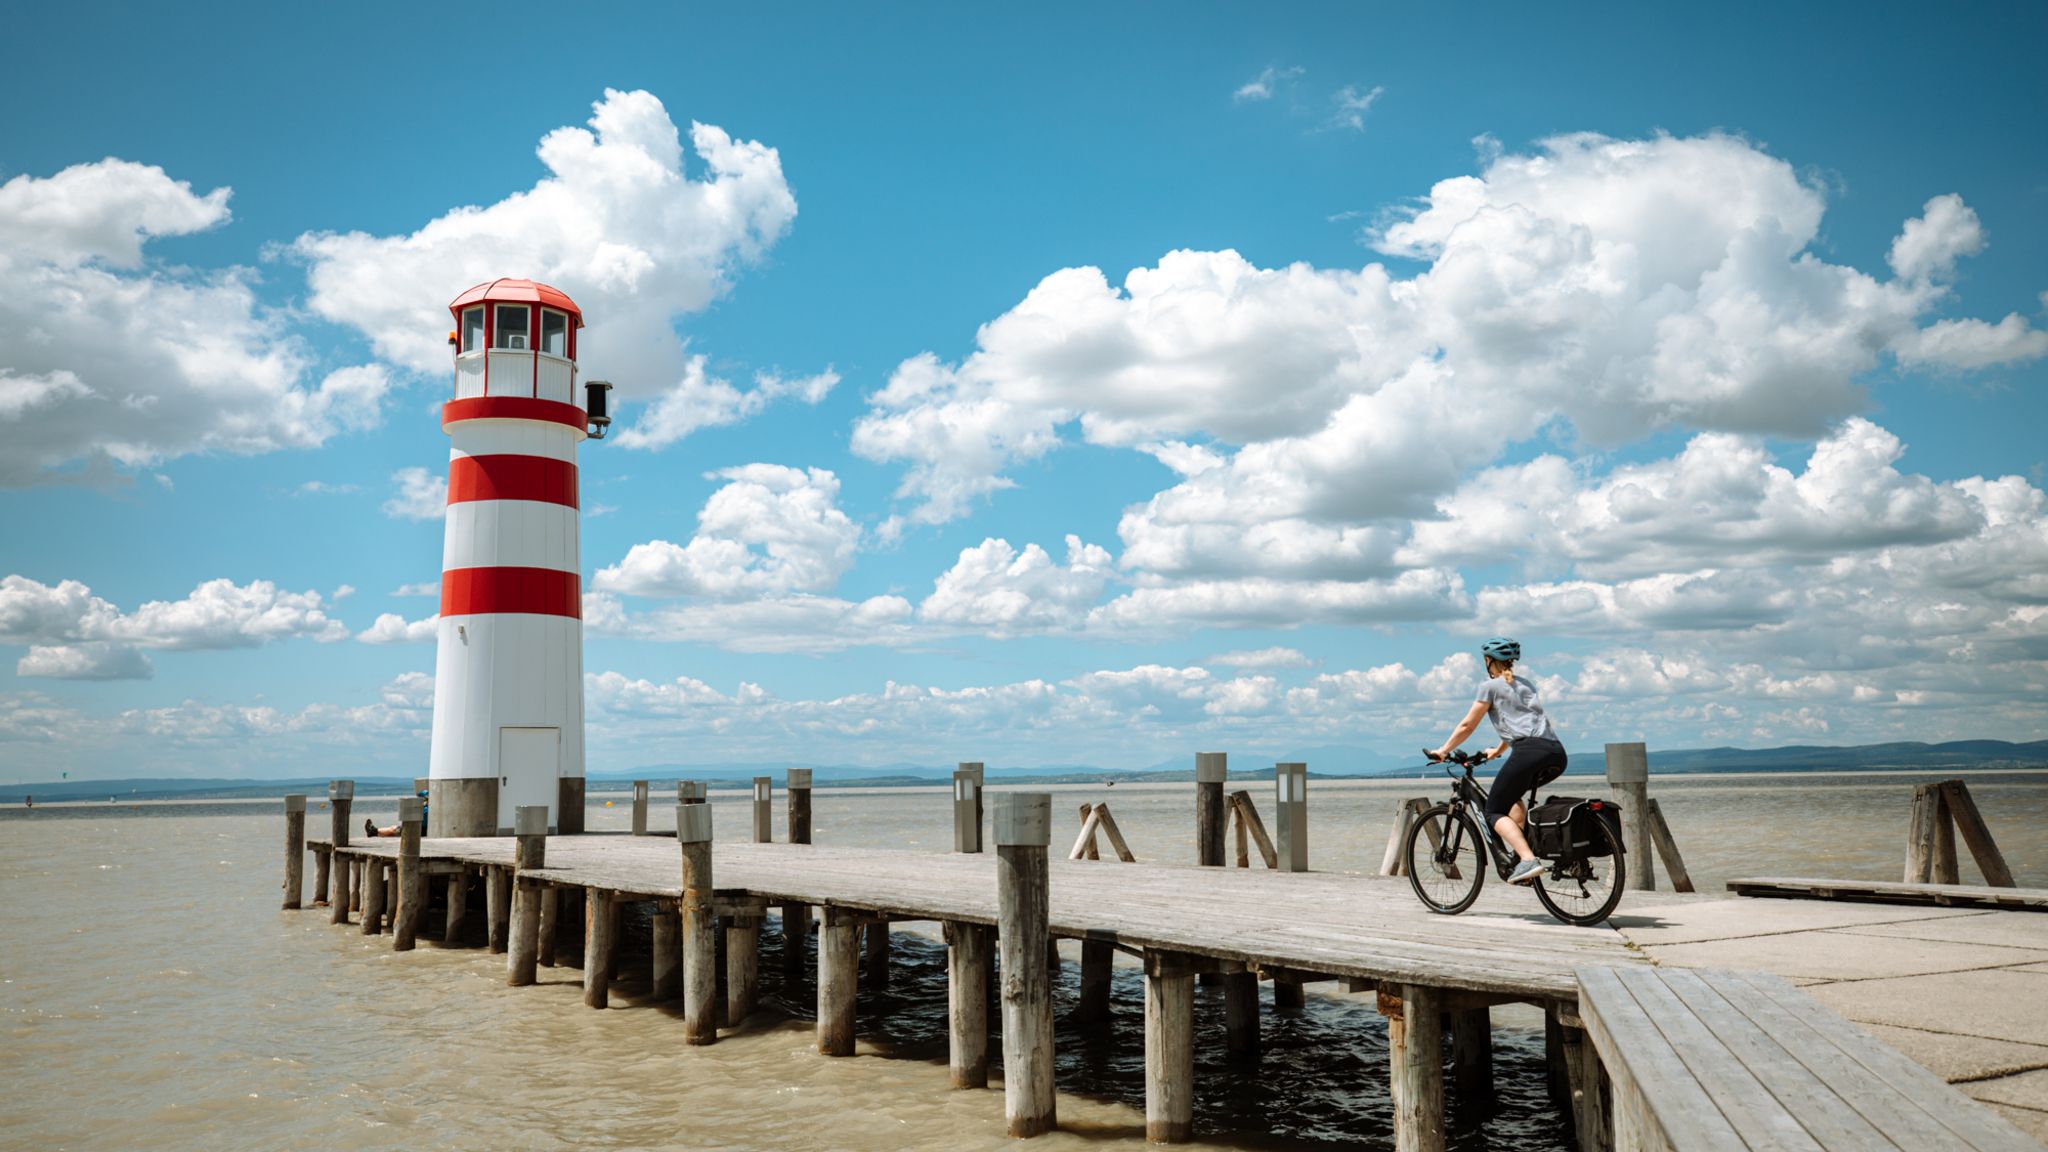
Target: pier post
{"points": [[693, 792], [967, 964], [1023, 830], [1290, 816], [1211, 769], [550, 926], [497, 906], [1241, 1016], [600, 940], [1169, 1048], [295, 849], [412, 878], [1628, 775], [323, 859], [700, 926], [1589, 1105], [458, 907], [1288, 997], [529, 851], [838, 978], [1415, 1051], [340, 796], [667, 980], [639, 807], [764, 810], [796, 918], [1098, 960], [1472, 1053], [877, 967], [967, 784], [742, 963], [373, 896]]}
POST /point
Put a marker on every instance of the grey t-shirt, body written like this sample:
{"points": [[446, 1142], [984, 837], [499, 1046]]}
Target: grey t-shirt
{"points": [[1514, 709]]}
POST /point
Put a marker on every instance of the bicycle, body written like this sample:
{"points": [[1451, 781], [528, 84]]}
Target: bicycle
{"points": [[1581, 886]]}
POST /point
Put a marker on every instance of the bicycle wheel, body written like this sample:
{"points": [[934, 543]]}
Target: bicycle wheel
{"points": [[1584, 891], [1446, 860]]}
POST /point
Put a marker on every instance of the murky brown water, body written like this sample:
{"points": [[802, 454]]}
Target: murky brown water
{"points": [[152, 995]]}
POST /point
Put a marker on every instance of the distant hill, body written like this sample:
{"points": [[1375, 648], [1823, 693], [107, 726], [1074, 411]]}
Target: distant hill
{"points": [[1323, 762]]}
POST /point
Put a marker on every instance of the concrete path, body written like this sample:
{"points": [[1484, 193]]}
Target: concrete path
{"points": [[1963, 992]]}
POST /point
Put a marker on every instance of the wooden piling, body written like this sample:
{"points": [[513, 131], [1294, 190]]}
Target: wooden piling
{"points": [[967, 823], [1931, 837], [1098, 962], [340, 797], [497, 907], [600, 938], [742, 963], [876, 972], [666, 982], [1472, 1053], [458, 907], [967, 964], [529, 852], [1288, 997], [323, 859], [1023, 831], [764, 810], [1588, 1102], [796, 918], [700, 926], [373, 897], [1963, 810], [1290, 816], [838, 979], [1660, 835], [1211, 769], [639, 807], [294, 849], [412, 878], [1416, 1075], [1241, 1016], [550, 927], [1628, 776], [1169, 1048]]}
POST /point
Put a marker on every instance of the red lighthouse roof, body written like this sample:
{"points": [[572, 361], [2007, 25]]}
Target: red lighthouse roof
{"points": [[509, 291]]}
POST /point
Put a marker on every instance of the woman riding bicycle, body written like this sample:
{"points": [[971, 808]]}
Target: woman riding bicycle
{"points": [[1536, 758]]}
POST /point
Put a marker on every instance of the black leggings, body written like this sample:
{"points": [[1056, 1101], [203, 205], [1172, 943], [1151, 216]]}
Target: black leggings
{"points": [[1534, 762]]}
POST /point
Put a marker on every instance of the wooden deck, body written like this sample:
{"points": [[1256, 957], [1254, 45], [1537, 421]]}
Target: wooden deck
{"points": [[1882, 892], [1330, 924]]}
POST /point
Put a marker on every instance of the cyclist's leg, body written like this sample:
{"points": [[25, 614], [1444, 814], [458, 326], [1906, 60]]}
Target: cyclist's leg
{"points": [[1504, 811]]}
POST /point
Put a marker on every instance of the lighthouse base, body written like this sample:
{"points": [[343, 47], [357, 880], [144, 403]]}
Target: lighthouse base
{"points": [[463, 807]]}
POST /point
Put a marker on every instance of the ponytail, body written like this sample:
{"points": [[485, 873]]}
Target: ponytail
{"points": [[1505, 669]]}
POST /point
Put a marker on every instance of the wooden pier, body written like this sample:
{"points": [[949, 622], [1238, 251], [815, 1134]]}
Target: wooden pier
{"points": [[1431, 975]]}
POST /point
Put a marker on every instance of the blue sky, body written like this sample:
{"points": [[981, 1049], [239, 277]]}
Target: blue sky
{"points": [[1702, 351]]}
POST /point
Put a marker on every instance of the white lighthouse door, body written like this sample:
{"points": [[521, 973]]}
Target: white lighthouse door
{"points": [[529, 760]]}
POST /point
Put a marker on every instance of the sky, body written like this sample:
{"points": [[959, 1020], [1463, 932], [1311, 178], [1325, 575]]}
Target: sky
{"points": [[1077, 384]]}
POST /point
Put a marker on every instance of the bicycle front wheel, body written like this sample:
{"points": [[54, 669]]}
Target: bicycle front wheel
{"points": [[1585, 891], [1446, 860]]}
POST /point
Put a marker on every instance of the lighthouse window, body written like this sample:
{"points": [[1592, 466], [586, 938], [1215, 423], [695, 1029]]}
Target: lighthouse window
{"points": [[512, 326], [554, 333], [472, 329]]}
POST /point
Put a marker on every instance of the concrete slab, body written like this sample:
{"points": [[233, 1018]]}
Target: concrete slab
{"points": [[1953, 1057], [2027, 1120], [1840, 956], [1690, 923], [2025, 1090], [2009, 929], [1997, 1002]]}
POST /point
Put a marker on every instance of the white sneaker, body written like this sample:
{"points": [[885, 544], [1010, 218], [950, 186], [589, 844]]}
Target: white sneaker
{"points": [[1527, 872]]}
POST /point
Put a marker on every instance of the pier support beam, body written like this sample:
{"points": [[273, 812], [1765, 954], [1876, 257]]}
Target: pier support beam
{"points": [[530, 851], [411, 878], [967, 964], [700, 926], [1169, 1048], [295, 850], [458, 907], [497, 907], [1241, 1016], [742, 964], [1588, 1101], [838, 979], [667, 979], [600, 938], [1098, 960], [340, 797], [373, 896], [1416, 1076], [796, 918], [1288, 997], [322, 861], [1023, 830], [1472, 1053], [877, 974]]}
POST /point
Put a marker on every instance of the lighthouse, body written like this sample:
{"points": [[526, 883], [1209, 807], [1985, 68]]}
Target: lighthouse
{"points": [[508, 675]]}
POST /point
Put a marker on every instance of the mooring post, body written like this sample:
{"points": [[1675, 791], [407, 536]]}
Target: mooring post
{"points": [[1023, 830], [1472, 1053], [764, 810], [1290, 815], [1169, 1048], [700, 926], [600, 938], [967, 964], [742, 962], [639, 807], [796, 918], [294, 849], [1415, 1051], [1931, 838], [373, 896], [529, 851], [967, 783], [412, 877], [340, 796], [497, 907], [838, 979], [1628, 774], [693, 792], [1211, 769]]}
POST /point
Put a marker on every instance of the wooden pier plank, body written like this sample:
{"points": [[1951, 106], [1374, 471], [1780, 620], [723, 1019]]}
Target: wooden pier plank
{"points": [[1886, 892]]}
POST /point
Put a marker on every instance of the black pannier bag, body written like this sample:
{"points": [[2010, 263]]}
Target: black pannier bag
{"points": [[1562, 827]]}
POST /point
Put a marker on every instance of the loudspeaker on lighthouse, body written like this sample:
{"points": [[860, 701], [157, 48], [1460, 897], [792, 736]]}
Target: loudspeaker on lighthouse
{"points": [[508, 674]]}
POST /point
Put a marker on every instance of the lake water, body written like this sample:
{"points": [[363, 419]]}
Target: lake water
{"points": [[153, 995]]}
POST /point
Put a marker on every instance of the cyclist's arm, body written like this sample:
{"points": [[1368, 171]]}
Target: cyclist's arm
{"points": [[1465, 728], [1501, 750]]}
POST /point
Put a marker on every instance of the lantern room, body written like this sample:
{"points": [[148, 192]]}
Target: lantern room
{"points": [[515, 338]]}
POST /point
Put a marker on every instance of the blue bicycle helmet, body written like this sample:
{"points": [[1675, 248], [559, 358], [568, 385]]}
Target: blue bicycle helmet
{"points": [[1501, 648]]}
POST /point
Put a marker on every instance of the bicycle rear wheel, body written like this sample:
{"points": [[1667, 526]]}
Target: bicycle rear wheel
{"points": [[1446, 860], [1585, 891]]}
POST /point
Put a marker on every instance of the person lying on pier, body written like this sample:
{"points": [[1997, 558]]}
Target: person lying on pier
{"points": [[370, 826], [1535, 758]]}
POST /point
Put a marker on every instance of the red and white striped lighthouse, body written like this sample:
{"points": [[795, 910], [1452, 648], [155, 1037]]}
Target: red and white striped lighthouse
{"points": [[508, 678]]}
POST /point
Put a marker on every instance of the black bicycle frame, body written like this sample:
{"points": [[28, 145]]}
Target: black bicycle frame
{"points": [[1467, 792]]}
